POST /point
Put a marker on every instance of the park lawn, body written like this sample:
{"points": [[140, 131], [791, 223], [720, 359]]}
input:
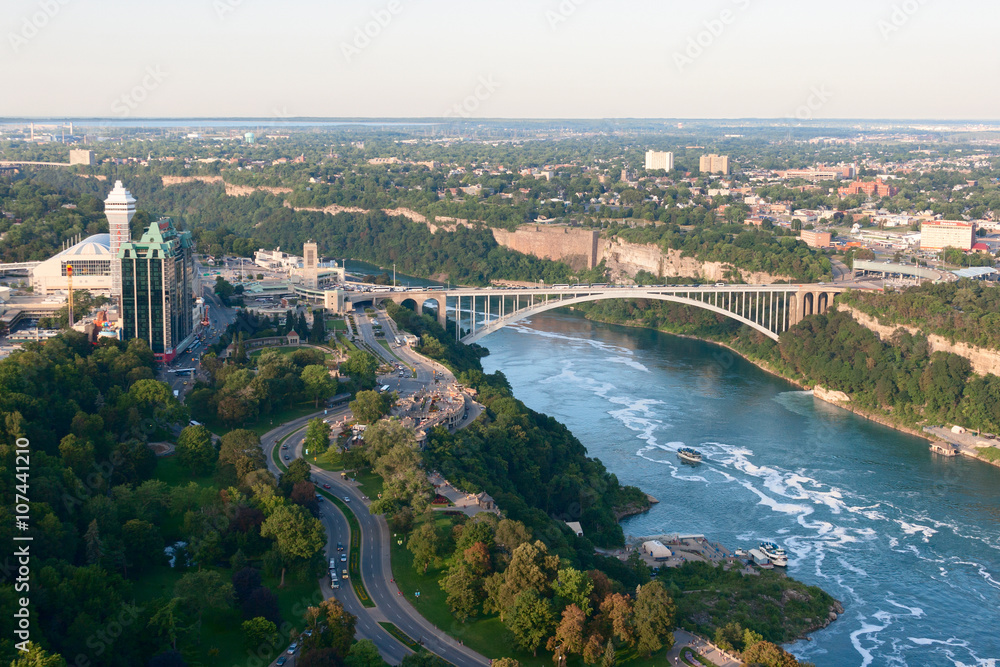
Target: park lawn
{"points": [[337, 325], [369, 483], [332, 460]]}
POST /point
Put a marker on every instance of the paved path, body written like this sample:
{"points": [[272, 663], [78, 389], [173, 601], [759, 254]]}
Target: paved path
{"points": [[707, 650]]}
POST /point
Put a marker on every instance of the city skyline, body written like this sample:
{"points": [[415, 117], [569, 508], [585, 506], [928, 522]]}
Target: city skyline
{"points": [[561, 60]]}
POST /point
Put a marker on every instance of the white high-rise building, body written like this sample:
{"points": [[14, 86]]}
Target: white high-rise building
{"points": [[120, 208], [658, 160]]}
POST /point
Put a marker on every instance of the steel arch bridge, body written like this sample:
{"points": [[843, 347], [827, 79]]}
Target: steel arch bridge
{"points": [[769, 309]]}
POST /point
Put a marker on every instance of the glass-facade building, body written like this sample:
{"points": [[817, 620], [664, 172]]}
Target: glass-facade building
{"points": [[157, 288]]}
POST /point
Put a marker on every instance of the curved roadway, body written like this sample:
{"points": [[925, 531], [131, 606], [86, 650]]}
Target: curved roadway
{"points": [[376, 570]]}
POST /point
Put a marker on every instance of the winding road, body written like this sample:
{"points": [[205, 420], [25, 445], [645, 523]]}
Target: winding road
{"points": [[375, 567]]}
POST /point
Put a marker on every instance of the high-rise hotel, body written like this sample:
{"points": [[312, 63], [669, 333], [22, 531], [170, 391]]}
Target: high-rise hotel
{"points": [[119, 207], [157, 279]]}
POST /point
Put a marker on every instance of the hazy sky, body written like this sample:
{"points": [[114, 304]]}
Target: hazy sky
{"points": [[501, 58]]}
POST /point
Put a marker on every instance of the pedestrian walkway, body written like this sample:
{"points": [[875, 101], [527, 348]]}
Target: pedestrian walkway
{"points": [[703, 647]]}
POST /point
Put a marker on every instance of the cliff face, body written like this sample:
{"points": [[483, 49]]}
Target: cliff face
{"points": [[625, 259], [576, 247], [984, 361]]}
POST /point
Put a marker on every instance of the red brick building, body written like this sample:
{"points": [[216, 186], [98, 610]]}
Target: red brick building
{"points": [[876, 188]]}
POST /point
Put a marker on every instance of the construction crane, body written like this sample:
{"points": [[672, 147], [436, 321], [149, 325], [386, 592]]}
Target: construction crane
{"points": [[69, 278]]}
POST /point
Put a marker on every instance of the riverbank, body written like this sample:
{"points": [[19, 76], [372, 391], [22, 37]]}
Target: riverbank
{"points": [[768, 368]]}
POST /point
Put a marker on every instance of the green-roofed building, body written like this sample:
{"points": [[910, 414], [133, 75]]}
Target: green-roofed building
{"points": [[157, 289]]}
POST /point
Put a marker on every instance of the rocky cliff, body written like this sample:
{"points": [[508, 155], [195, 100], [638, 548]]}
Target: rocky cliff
{"points": [[983, 360], [576, 247], [624, 260]]}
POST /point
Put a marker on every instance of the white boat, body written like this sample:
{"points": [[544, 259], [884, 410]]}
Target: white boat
{"points": [[774, 553], [689, 455]]}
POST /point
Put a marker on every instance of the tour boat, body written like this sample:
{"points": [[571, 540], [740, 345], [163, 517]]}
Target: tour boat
{"points": [[775, 553], [689, 455]]}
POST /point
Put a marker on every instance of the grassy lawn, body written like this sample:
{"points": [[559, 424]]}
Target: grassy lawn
{"points": [[169, 470], [989, 453], [331, 460], [336, 325]]}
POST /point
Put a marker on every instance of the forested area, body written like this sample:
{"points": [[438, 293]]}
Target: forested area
{"points": [[204, 557], [530, 463], [966, 310], [900, 378]]}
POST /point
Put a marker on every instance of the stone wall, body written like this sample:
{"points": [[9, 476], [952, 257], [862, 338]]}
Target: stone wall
{"points": [[984, 361]]}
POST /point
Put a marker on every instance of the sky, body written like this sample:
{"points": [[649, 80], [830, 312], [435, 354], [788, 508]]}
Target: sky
{"points": [[908, 59]]}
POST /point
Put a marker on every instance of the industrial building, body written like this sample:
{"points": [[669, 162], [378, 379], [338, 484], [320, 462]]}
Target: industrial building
{"points": [[157, 285]]}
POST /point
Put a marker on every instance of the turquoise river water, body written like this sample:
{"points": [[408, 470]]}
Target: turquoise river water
{"points": [[908, 541]]}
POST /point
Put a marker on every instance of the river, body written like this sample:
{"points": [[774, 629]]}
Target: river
{"points": [[906, 540]]}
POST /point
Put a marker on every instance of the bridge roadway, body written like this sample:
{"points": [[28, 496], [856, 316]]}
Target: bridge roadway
{"points": [[770, 309]]}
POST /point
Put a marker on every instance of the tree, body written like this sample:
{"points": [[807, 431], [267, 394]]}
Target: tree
{"points": [[769, 655], [195, 450], [332, 626], [143, 544], [258, 632], [654, 618], [617, 608], [204, 589], [575, 587], [318, 383], [318, 333], [364, 653], [608, 659], [36, 656], [463, 589], [423, 544], [244, 582], [241, 449], [370, 406], [298, 535], [262, 602], [531, 620], [506, 662], [317, 439], [423, 658], [568, 639], [477, 557]]}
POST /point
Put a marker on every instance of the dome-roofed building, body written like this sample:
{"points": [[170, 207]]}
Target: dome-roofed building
{"points": [[91, 261]]}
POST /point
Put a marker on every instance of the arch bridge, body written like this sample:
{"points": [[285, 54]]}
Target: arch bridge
{"points": [[769, 309]]}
